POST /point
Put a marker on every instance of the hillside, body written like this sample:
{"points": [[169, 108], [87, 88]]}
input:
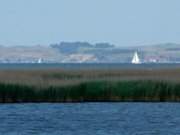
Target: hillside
{"points": [[84, 52]]}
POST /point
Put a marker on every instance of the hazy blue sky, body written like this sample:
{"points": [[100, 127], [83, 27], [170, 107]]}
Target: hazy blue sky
{"points": [[122, 22]]}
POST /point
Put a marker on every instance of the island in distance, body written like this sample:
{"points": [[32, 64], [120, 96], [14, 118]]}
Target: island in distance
{"points": [[84, 52]]}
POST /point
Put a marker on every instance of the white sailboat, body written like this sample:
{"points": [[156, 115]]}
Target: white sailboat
{"points": [[136, 59], [40, 60]]}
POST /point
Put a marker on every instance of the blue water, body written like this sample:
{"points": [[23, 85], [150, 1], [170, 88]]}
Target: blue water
{"points": [[90, 119], [88, 66]]}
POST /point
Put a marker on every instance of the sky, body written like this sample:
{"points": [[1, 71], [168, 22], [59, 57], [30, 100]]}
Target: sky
{"points": [[120, 22]]}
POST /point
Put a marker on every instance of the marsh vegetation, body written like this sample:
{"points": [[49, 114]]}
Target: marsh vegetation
{"points": [[86, 85]]}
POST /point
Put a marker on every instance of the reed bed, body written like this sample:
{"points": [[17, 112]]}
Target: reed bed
{"points": [[96, 91], [58, 85]]}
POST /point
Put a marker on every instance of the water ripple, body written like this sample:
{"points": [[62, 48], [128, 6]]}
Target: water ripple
{"points": [[90, 119]]}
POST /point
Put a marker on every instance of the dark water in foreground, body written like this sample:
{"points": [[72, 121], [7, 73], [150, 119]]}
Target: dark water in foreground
{"points": [[90, 119]]}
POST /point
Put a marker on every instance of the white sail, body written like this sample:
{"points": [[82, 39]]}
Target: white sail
{"points": [[136, 59], [40, 60]]}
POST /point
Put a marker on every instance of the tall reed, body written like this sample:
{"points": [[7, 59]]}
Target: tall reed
{"points": [[93, 91]]}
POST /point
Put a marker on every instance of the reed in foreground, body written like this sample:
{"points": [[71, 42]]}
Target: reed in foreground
{"points": [[92, 91]]}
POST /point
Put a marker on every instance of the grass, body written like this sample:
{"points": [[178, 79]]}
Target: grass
{"points": [[96, 91], [57, 85]]}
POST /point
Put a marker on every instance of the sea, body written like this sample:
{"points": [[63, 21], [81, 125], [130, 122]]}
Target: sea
{"points": [[90, 119], [77, 66]]}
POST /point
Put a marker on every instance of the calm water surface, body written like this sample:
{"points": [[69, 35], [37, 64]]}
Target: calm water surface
{"points": [[90, 66], [90, 119]]}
